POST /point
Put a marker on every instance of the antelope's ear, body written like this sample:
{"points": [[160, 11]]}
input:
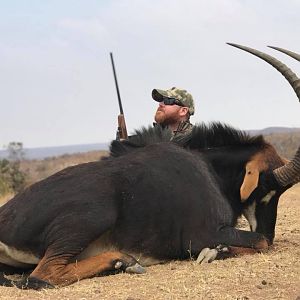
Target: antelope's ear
{"points": [[250, 181]]}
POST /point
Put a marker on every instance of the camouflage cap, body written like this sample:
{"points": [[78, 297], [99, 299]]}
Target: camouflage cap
{"points": [[181, 95]]}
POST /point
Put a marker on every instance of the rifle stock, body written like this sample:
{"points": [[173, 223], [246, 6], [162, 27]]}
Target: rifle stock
{"points": [[122, 131]]}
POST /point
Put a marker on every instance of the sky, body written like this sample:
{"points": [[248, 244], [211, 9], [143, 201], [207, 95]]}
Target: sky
{"points": [[56, 80]]}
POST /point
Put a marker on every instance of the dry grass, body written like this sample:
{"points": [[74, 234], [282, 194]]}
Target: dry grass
{"points": [[5, 198], [36, 170], [272, 275], [285, 143]]}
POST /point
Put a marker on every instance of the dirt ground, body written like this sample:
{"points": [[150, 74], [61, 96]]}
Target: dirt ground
{"points": [[272, 275]]}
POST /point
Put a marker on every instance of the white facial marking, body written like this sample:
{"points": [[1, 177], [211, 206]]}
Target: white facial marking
{"points": [[266, 199], [249, 213]]}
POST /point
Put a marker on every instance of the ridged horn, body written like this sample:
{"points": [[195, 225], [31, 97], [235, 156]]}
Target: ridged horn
{"points": [[290, 76], [290, 172], [287, 52]]}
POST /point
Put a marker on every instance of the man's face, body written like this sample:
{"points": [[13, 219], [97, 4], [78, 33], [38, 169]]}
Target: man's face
{"points": [[168, 114]]}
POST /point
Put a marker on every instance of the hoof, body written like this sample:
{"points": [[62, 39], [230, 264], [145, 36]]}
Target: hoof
{"points": [[135, 269], [34, 284], [128, 264], [5, 282], [207, 255]]}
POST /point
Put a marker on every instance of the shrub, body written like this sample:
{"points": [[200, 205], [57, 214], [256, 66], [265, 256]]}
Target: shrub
{"points": [[12, 179]]}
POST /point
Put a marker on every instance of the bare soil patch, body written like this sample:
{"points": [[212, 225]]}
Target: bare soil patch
{"points": [[271, 275]]}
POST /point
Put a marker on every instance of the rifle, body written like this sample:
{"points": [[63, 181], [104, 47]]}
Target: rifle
{"points": [[122, 131]]}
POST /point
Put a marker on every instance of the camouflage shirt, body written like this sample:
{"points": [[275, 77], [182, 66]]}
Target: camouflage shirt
{"points": [[183, 128]]}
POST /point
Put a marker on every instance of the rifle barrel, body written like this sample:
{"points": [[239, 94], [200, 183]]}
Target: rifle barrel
{"points": [[116, 82]]}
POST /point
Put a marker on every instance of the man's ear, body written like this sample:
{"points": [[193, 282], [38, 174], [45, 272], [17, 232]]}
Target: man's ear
{"points": [[183, 111]]}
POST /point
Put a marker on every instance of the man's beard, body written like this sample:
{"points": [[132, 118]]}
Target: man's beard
{"points": [[160, 117], [163, 119]]}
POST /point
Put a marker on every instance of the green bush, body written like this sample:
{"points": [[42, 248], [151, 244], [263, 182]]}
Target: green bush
{"points": [[12, 179]]}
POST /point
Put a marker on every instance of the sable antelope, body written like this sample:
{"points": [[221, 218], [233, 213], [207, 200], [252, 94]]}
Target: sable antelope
{"points": [[151, 201]]}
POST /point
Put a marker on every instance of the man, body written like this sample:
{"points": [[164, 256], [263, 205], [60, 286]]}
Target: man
{"points": [[174, 110]]}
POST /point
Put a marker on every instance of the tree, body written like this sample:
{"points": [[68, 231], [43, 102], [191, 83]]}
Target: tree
{"points": [[15, 151], [12, 179], [4, 177]]}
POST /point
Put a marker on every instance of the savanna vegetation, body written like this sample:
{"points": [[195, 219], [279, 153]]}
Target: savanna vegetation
{"points": [[12, 178], [16, 172]]}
